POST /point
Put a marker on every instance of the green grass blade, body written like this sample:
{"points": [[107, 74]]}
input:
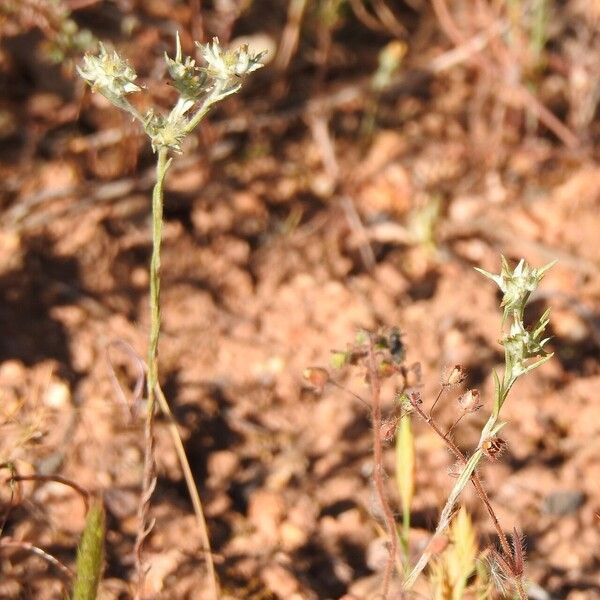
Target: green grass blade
{"points": [[90, 555]]}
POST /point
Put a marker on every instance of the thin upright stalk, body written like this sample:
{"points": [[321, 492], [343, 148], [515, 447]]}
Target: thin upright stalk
{"points": [[378, 473], [149, 474], [192, 490], [155, 395], [162, 164]]}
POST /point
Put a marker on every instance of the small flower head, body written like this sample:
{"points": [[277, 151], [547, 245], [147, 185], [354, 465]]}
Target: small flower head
{"points": [[316, 378], [166, 132], [470, 401], [456, 376], [188, 79], [516, 285], [109, 74], [227, 67], [521, 345]]}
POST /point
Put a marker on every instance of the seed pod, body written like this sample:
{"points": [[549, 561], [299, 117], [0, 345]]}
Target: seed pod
{"points": [[415, 398], [470, 401], [494, 447], [316, 378], [388, 429], [457, 375]]}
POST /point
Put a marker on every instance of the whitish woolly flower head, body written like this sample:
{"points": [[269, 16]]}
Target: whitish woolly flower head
{"points": [[167, 132], [109, 74], [188, 79], [516, 285], [522, 344], [224, 65]]}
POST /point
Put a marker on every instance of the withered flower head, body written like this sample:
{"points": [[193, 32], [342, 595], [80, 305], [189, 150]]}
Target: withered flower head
{"points": [[470, 401]]}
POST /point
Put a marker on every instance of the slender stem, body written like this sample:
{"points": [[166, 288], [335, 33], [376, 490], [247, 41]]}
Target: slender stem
{"points": [[162, 165], [207, 104], [85, 495], [7, 542], [404, 540], [442, 389], [378, 479], [149, 474], [155, 395]]}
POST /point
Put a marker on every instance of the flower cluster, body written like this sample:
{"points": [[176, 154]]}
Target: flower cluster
{"points": [[521, 344], [189, 80], [516, 285], [114, 78], [166, 132], [227, 67], [109, 74]]}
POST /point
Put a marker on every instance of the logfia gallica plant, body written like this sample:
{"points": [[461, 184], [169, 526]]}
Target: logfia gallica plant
{"points": [[524, 350], [199, 89]]}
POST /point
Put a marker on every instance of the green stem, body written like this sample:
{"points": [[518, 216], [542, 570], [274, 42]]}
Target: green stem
{"points": [[162, 165], [200, 114], [445, 517], [149, 474], [154, 391]]}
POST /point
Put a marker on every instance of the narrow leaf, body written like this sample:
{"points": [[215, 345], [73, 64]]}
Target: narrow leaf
{"points": [[90, 555]]}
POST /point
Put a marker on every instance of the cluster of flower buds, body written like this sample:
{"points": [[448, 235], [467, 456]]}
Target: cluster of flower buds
{"points": [[222, 75], [516, 285], [521, 344], [110, 75]]}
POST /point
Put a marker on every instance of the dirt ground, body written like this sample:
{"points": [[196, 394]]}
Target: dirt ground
{"points": [[307, 207]]}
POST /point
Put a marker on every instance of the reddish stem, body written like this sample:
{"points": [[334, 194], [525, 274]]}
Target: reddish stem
{"points": [[378, 470], [475, 480]]}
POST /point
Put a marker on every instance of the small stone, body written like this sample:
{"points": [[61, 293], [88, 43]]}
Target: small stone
{"points": [[12, 372], [222, 465], [292, 537], [57, 395], [265, 512], [563, 502], [279, 580], [139, 277]]}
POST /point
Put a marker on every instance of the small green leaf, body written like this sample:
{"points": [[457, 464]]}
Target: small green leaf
{"points": [[339, 359]]}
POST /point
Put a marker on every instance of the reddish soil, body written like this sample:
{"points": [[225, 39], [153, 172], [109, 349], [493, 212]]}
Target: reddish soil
{"points": [[287, 229]]}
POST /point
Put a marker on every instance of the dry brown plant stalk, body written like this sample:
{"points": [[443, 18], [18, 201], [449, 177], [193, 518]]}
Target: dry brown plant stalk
{"points": [[509, 558], [378, 469]]}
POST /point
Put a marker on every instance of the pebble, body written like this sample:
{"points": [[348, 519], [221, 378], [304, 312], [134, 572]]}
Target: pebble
{"points": [[57, 395], [265, 511], [563, 502], [222, 465], [279, 580]]}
